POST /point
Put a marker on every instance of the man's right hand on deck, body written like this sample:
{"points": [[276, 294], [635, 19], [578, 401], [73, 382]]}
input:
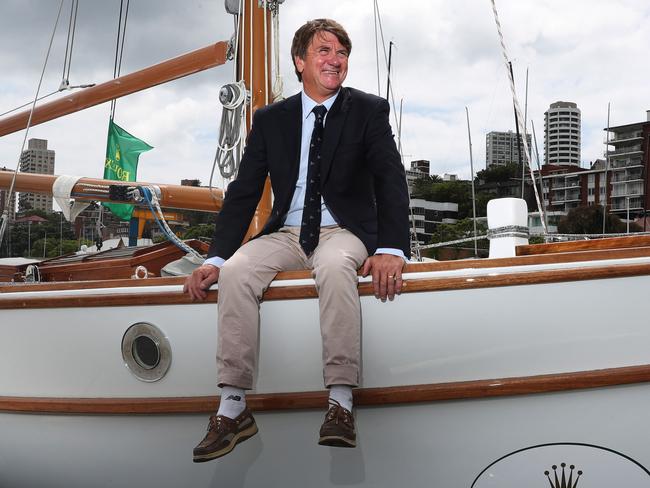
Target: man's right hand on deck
{"points": [[198, 283]]}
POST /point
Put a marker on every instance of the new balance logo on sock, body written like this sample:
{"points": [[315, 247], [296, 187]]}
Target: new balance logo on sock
{"points": [[235, 398]]}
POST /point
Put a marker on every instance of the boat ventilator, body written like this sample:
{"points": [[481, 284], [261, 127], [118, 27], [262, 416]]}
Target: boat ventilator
{"points": [[146, 352]]}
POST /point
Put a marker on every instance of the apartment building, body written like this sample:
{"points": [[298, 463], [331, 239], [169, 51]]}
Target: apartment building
{"points": [[502, 148], [562, 134]]}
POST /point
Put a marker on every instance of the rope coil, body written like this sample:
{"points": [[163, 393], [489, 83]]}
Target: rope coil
{"points": [[232, 130]]}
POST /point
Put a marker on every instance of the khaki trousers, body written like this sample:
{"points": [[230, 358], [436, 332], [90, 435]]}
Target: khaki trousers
{"points": [[244, 277]]}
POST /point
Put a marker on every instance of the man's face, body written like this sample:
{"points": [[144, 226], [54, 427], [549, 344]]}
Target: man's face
{"points": [[325, 66]]}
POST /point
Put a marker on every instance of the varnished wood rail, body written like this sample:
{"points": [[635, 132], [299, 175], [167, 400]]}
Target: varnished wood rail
{"points": [[585, 245], [394, 395], [307, 291], [425, 267]]}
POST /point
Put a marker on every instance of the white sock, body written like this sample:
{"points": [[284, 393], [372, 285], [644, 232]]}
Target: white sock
{"points": [[343, 395], [233, 402]]}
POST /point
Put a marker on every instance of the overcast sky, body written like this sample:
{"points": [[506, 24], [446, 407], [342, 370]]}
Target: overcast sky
{"points": [[447, 57]]}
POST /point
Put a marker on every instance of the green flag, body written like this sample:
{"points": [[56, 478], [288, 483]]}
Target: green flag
{"points": [[122, 153]]}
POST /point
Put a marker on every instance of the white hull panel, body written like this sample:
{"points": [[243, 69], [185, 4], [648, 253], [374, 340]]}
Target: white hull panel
{"points": [[427, 337], [445, 444]]}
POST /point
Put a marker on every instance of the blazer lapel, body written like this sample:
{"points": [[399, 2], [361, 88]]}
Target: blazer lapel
{"points": [[291, 131], [333, 126]]}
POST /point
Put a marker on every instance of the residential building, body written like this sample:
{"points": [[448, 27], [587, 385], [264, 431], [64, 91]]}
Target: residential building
{"points": [[425, 216], [562, 134], [627, 148], [502, 148], [37, 158], [419, 169]]}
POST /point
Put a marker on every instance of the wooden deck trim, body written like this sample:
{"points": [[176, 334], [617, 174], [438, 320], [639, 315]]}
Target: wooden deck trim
{"points": [[309, 291], [592, 244], [394, 395], [569, 257]]}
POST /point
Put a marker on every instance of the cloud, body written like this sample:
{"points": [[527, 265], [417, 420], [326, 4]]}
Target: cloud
{"points": [[447, 57]]}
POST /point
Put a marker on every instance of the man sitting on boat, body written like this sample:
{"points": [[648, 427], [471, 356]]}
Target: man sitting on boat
{"points": [[330, 139]]}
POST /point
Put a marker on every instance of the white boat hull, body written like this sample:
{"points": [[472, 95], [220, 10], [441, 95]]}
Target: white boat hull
{"points": [[420, 338]]}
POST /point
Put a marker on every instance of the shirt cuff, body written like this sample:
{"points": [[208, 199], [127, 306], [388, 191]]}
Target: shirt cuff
{"points": [[215, 261], [390, 250]]}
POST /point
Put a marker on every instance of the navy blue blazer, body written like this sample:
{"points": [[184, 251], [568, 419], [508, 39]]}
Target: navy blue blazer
{"points": [[362, 176]]}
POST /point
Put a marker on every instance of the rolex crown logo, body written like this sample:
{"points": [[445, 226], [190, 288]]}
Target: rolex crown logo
{"points": [[562, 481]]}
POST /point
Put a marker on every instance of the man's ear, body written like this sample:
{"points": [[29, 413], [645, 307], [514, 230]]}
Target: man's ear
{"points": [[300, 64]]}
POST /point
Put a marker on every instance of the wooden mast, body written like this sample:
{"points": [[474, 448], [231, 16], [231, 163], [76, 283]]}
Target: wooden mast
{"points": [[255, 52]]}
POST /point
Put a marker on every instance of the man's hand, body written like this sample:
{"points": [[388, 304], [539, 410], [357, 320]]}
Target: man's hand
{"points": [[386, 272], [200, 280]]}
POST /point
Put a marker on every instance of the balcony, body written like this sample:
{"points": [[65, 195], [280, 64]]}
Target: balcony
{"points": [[618, 179], [627, 163], [634, 205], [623, 137], [626, 150]]}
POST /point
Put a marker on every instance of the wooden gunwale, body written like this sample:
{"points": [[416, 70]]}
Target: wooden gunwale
{"points": [[309, 291], [568, 257], [594, 244], [394, 395]]}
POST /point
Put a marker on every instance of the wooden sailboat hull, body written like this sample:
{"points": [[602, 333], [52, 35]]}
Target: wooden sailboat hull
{"points": [[458, 372]]}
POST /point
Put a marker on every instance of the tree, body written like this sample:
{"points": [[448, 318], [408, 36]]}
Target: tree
{"points": [[55, 228], [460, 230], [199, 231], [498, 174], [589, 220]]}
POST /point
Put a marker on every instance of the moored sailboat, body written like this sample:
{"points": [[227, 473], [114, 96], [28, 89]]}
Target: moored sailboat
{"points": [[107, 380]]}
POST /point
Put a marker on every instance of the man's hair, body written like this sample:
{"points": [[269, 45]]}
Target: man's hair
{"points": [[303, 37]]}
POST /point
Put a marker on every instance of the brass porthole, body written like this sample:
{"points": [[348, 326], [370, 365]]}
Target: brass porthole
{"points": [[146, 351]]}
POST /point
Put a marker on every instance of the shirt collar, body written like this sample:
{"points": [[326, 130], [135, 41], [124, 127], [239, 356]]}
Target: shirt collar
{"points": [[308, 104]]}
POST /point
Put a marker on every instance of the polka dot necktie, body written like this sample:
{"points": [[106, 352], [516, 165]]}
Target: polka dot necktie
{"points": [[311, 212]]}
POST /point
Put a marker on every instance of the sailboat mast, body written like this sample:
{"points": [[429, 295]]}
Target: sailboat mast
{"points": [[253, 62]]}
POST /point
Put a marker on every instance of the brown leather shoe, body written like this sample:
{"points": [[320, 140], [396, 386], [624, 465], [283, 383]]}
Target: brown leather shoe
{"points": [[223, 435], [338, 428]]}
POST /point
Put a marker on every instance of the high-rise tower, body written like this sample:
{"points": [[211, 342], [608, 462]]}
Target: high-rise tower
{"points": [[37, 158], [562, 134]]}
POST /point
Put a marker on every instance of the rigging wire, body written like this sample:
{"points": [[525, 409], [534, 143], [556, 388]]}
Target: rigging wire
{"points": [[398, 123], [67, 62], [383, 43], [117, 68], [29, 103], [69, 44], [518, 112], [119, 48], [5, 214]]}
